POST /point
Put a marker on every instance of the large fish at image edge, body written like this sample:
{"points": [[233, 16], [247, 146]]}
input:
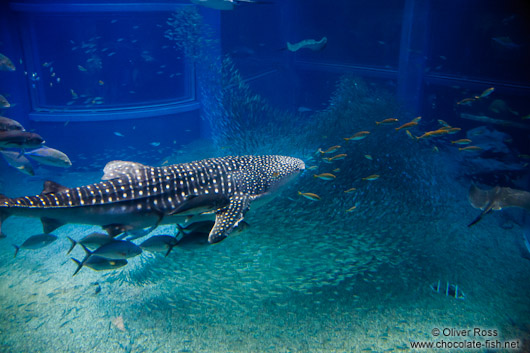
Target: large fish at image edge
{"points": [[496, 199], [135, 196]]}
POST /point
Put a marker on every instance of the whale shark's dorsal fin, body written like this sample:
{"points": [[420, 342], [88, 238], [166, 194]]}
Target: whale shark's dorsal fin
{"points": [[116, 169], [228, 218], [52, 187]]}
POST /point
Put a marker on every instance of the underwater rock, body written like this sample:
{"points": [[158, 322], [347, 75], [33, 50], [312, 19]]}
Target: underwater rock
{"points": [[496, 155], [118, 323], [489, 139]]}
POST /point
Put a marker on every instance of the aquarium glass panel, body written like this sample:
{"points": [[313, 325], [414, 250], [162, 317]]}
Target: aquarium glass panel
{"points": [[489, 42], [349, 28], [104, 61]]}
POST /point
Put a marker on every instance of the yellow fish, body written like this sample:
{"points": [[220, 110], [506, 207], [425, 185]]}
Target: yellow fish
{"points": [[336, 170], [434, 133], [466, 101], [387, 121], [351, 209], [416, 120], [324, 176], [312, 167], [330, 150], [470, 149], [338, 157], [371, 177], [367, 156], [309, 195], [350, 190], [461, 142], [358, 136], [486, 93], [101, 83], [443, 123], [409, 134], [407, 125]]}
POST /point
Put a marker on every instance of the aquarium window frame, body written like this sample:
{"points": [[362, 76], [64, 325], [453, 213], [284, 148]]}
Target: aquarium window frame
{"points": [[59, 114]]}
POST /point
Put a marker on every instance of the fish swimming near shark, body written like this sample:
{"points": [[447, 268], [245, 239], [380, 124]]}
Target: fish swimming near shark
{"points": [[496, 199], [50, 156], [136, 196], [7, 124], [20, 139], [18, 161]]}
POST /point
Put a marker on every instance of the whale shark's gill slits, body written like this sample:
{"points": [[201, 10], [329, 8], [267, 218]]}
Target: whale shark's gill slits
{"points": [[223, 177]]}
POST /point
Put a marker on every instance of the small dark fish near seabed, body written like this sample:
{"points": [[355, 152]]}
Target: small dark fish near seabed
{"points": [[92, 241], [36, 242], [160, 243], [97, 263], [113, 250]]}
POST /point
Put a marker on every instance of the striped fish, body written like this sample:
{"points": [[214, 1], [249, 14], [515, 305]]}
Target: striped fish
{"points": [[133, 196]]}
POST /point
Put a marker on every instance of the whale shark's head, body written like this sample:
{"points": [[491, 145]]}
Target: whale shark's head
{"points": [[264, 174]]}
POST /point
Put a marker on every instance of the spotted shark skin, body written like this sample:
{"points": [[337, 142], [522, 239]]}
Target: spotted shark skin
{"points": [[135, 196]]}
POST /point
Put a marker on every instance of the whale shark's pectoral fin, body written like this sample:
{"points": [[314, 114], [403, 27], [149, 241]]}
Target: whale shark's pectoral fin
{"points": [[228, 218]]}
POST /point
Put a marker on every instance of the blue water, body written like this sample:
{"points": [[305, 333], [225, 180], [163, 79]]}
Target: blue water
{"points": [[167, 83]]}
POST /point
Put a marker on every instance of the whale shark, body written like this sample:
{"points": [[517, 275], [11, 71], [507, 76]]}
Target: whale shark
{"points": [[133, 196], [496, 199]]}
